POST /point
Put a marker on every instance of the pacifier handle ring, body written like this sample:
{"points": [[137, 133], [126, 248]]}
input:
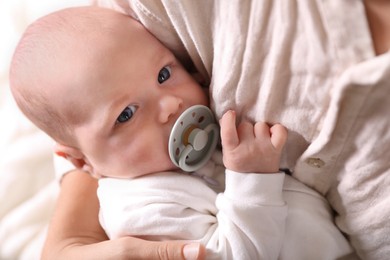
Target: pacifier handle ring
{"points": [[188, 149]]}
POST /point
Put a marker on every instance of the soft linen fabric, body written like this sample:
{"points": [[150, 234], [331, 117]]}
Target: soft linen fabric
{"points": [[309, 65], [258, 216]]}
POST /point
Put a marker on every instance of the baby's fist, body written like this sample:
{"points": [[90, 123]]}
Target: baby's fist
{"points": [[251, 147]]}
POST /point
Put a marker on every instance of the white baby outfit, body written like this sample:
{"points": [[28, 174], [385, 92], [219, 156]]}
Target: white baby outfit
{"points": [[258, 216]]}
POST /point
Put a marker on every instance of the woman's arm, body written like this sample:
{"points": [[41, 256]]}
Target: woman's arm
{"points": [[75, 232], [379, 22]]}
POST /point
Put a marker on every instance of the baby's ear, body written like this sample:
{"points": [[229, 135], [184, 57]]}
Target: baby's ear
{"points": [[74, 155]]}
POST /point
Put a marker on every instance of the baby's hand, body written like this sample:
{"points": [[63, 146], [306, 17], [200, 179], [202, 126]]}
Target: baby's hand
{"points": [[251, 147]]}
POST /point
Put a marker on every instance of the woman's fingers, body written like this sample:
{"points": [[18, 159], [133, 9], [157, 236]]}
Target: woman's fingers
{"points": [[165, 250], [136, 248]]}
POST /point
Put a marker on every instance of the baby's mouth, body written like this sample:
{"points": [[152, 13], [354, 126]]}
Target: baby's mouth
{"points": [[193, 138]]}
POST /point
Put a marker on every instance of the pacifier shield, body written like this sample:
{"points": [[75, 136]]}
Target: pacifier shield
{"points": [[193, 138]]}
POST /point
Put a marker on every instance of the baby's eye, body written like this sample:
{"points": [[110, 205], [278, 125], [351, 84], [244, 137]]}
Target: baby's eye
{"points": [[164, 74], [126, 114]]}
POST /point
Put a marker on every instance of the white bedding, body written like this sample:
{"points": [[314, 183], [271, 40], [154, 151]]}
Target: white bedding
{"points": [[27, 186]]}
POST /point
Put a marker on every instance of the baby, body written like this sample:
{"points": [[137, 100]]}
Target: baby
{"points": [[109, 94]]}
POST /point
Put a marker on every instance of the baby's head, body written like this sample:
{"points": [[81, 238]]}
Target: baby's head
{"points": [[104, 88]]}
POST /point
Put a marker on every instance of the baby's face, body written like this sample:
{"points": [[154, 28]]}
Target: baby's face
{"points": [[128, 95]]}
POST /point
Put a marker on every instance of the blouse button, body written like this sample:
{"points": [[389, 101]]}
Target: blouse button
{"points": [[315, 162]]}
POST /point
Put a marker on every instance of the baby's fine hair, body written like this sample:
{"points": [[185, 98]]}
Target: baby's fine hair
{"points": [[27, 71], [35, 53]]}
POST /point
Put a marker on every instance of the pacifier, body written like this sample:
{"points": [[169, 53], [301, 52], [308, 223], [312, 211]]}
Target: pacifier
{"points": [[193, 138]]}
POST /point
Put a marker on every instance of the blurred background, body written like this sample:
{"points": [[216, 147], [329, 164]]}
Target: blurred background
{"points": [[28, 189]]}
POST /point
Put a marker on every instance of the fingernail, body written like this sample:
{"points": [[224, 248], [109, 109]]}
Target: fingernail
{"points": [[191, 251]]}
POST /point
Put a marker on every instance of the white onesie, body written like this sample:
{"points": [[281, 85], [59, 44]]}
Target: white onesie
{"points": [[258, 216]]}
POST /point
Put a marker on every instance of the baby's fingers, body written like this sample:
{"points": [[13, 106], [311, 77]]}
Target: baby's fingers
{"points": [[278, 136], [229, 136]]}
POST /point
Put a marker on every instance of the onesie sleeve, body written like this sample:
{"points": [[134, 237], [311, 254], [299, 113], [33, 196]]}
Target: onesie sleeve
{"points": [[251, 217]]}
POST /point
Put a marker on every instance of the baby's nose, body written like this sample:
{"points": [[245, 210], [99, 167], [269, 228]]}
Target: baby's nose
{"points": [[169, 106]]}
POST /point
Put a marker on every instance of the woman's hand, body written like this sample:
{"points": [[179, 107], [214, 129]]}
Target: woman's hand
{"points": [[75, 232]]}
